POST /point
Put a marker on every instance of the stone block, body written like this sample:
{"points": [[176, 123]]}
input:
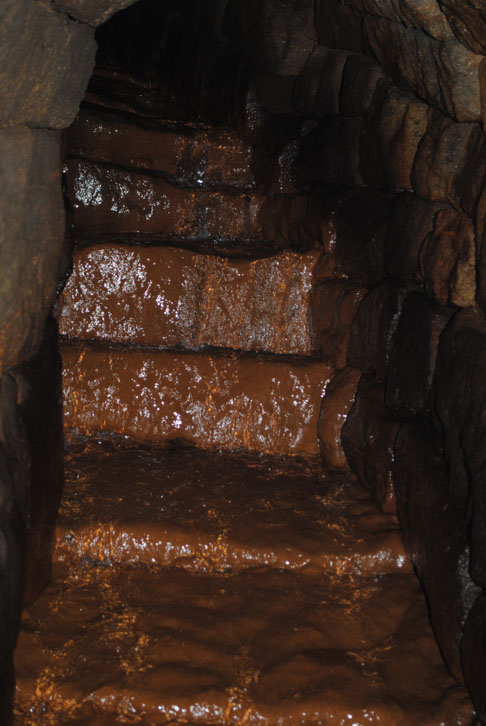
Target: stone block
{"points": [[320, 224], [276, 36], [32, 234], [393, 129], [93, 12], [443, 73], [168, 297], [361, 225], [196, 158], [410, 220], [428, 519], [316, 90], [282, 220], [339, 26], [360, 76], [413, 354], [372, 329], [468, 21], [46, 60], [450, 161], [330, 154], [448, 259], [109, 200], [212, 401], [460, 400], [334, 305], [368, 438], [274, 150], [336, 404]]}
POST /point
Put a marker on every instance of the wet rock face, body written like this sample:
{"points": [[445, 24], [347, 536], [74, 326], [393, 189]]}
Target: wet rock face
{"points": [[226, 402], [334, 305], [45, 65], [336, 404], [447, 80], [449, 260], [31, 207], [413, 354], [449, 164], [368, 438], [430, 517], [372, 329], [168, 297], [393, 130], [189, 155], [410, 221], [460, 406], [110, 200]]}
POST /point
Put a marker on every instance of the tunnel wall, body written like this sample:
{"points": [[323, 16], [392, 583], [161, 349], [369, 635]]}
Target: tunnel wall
{"points": [[393, 94], [47, 54], [382, 100]]}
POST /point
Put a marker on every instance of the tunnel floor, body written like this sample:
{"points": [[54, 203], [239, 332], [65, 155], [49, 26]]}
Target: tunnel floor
{"points": [[225, 588]]}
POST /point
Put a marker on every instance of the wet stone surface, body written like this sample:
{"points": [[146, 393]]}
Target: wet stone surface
{"points": [[191, 155], [212, 400], [214, 512], [108, 200], [165, 296], [214, 644]]}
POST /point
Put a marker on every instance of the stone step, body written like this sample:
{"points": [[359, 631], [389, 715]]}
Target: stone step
{"points": [[167, 296], [265, 646], [106, 199], [328, 627], [210, 399], [221, 512], [192, 155]]}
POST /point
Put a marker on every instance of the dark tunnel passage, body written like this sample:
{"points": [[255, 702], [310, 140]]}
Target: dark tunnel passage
{"points": [[241, 413]]}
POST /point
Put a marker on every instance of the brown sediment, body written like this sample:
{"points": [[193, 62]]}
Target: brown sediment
{"points": [[217, 512], [213, 401], [261, 645], [165, 296]]}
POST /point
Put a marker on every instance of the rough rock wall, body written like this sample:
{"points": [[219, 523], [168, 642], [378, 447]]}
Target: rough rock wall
{"points": [[394, 97], [46, 57]]}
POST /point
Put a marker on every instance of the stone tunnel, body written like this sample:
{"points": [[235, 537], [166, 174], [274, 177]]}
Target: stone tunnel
{"points": [[243, 298]]}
